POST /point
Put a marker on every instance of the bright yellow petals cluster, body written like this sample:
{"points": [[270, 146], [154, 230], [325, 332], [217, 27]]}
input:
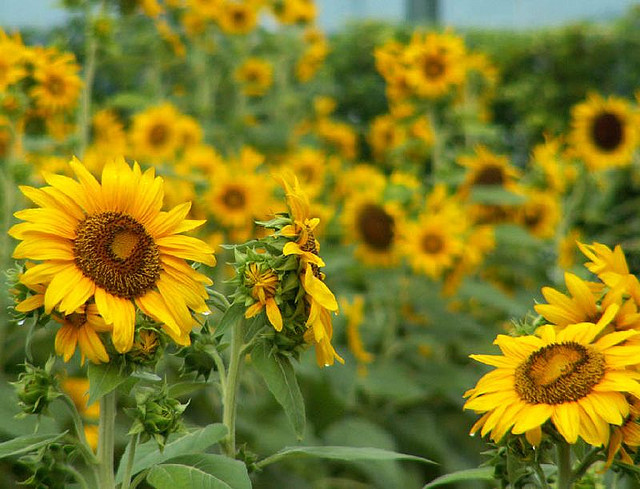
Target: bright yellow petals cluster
{"points": [[58, 85], [604, 132], [579, 371], [263, 285], [320, 300], [106, 247]]}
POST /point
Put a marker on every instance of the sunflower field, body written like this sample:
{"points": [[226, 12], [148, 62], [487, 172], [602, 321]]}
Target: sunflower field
{"points": [[240, 252]]}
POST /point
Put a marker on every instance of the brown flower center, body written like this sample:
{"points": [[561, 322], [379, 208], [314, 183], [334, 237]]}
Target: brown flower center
{"points": [[158, 135], [559, 373], [116, 252], [376, 227], [77, 320], [433, 67], [490, 174], [607, 131], [54, 85], [234, 198], [432, 244]]}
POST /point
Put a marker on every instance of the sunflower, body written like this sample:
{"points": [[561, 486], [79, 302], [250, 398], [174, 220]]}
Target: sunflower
{"points": [[154, 133], [237, 17], [540, 214], [319, 299], [12, 68], [81, 328], [263, 283], [57, 87], [568, 377], [256, 76], [111, 242], [626, 438], [373, 226], [432, 244], [354, 311], [236, 199], [604, 132], [310, 166], [386, 134], [295, 11], [487, 169], [434, 63], [203, 9]]}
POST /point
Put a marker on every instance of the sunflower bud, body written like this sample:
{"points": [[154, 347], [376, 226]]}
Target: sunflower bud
{"points": [[36, 388], [48, 467], [147, 347], [156, 415]]}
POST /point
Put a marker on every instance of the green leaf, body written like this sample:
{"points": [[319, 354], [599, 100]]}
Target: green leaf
{"points": [[232, 472], [481, 473], [27, 443], [172, 476], [344, 454], [104, 378], [492, 195], [229, 318], [280, 377], [148, 453]]}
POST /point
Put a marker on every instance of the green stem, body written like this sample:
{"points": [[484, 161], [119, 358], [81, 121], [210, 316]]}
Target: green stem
{"points": [[564, 465], [106, 441], [138, 479], [231, 391], [126, 479]]}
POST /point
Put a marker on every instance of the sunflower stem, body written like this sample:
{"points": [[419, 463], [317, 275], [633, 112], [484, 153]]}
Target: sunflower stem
{"points": [[231, 390], [564, 465], [106, 441], [126, 479], [79, 429], [588, 460]]}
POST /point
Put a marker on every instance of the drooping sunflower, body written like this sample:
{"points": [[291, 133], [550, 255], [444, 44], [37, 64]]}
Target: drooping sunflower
{"points": [[319, 299], [263, 283], [604, 132], [255, 75], [81, 328], [154, 134], [57, 85], [569, 377], [111, 242]]}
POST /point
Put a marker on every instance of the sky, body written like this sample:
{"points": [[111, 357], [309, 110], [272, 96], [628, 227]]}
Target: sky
{"points": [[334, 13]]}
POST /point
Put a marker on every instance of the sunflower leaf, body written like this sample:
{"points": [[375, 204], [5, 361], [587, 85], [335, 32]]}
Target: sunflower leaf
{"points": [[480, 473], [104, 378], [27, 443], [229, 318], [170, 476], [280, 377]]}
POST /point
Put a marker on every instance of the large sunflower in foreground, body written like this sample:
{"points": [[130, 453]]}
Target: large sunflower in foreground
{"points": [[604, 132], [110, 242], [569, 377]]}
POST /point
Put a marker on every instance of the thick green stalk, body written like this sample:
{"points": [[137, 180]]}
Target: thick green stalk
{"points": [[230, 394], [106, 430], [564, 465]]}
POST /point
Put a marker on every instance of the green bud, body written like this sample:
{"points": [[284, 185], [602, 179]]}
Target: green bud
{"points": [[48, 467], [156, 415], [36, 388]]}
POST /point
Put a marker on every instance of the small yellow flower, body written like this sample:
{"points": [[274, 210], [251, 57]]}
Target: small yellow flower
{"points": [[256, 76], [263, 285]]}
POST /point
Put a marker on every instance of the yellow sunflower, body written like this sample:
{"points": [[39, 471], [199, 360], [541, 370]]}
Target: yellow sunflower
{"points": [[432, 244], [263, 284], [604, 132], [238, 17], [154, 133], [540, 214], [386, 134], [434, 63], [236, 199], [203, 9], [568, 377], [310, 166], [626, 438], [374, 226], [12, 67], [255, 76], [354, 311], [487, 169], [110, 241], [57, 85], [81, 328]]}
